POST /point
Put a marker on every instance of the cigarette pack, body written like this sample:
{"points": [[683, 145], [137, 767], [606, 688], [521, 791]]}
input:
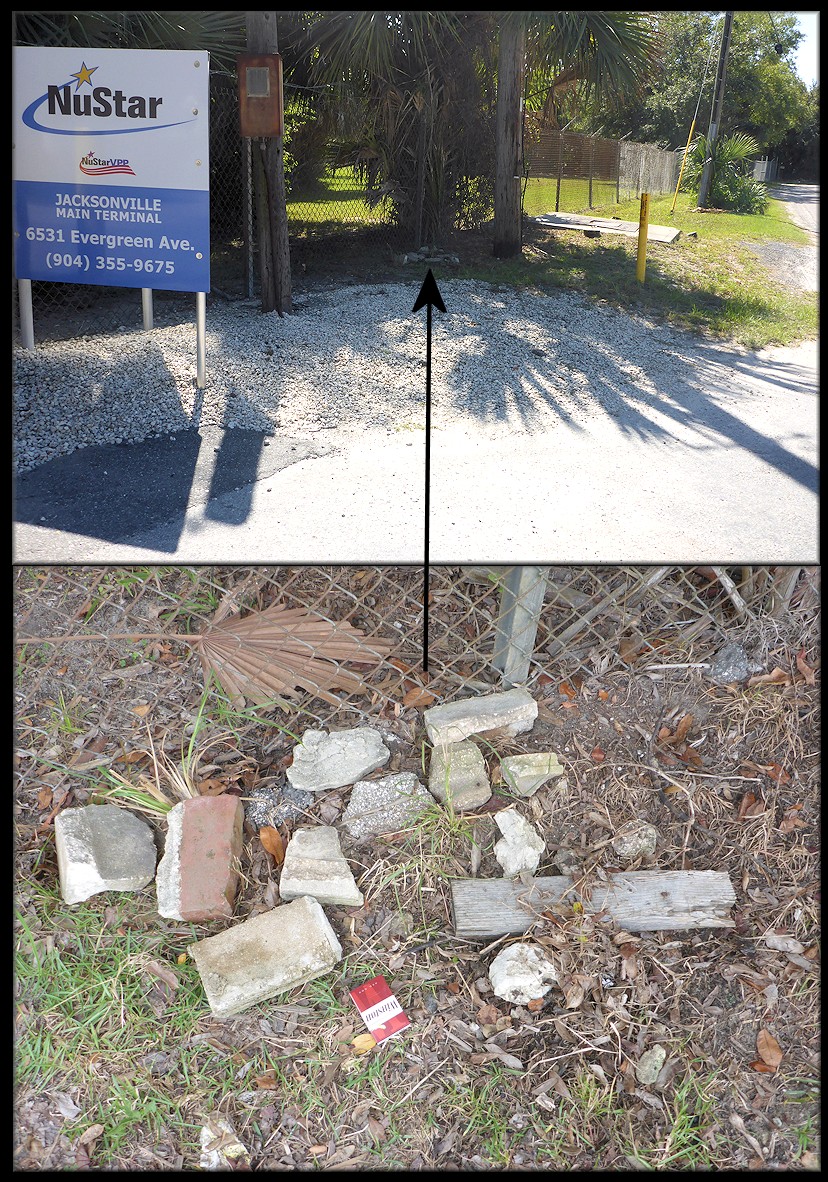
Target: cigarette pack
{"points": [[381, 1012]]}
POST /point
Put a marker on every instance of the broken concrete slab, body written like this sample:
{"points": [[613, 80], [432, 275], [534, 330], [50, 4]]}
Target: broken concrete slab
{"points": [[385, 805], [521, 846], [315, 865], [589, 224], [198, 875], [102, 847], [522, 973], [323, 760], [525, 774], [266, 955], [514, 711], [457, 776]]}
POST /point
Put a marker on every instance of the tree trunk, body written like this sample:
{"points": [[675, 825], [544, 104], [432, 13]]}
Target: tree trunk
{"points": [[511, 66], [269, 186]]}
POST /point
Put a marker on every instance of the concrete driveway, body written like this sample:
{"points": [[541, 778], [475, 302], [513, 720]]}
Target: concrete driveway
{"points": [[720, 469]]}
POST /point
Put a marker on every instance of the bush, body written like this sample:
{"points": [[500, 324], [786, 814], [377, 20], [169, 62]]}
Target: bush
{"points": [[732, 186]]}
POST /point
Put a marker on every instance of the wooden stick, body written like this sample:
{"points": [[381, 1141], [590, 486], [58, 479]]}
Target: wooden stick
{"points": [[640, 901]]}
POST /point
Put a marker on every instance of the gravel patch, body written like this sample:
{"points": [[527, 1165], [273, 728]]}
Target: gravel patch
{"points": [[347, 360], [796, 267]]}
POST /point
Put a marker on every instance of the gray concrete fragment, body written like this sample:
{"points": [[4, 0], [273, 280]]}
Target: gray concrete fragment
{"points": [[385, 805], [636, 839], [102, 847], [521, 846], [648, 1068], [457, 775], [732, 664], [323, 761], [522, 973], [524, 774], [314, 865], [168, 875], [515, 711], [266, 955]]}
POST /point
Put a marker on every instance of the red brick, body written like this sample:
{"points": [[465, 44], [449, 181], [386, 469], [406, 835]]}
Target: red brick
{"points": [[211, 843]]}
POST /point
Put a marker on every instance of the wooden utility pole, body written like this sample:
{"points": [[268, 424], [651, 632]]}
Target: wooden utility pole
{"points": [[511, 70], [269, 188], [716, 116]]}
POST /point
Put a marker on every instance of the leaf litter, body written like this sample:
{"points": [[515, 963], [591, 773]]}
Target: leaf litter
{"points": [[718, 1005]]}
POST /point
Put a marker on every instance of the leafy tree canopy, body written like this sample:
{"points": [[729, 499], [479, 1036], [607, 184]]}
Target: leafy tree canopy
{"points": [[764, 97]]}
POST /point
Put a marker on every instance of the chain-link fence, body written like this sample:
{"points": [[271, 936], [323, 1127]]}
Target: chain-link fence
{"points": [[570, 171], [488, 628]]}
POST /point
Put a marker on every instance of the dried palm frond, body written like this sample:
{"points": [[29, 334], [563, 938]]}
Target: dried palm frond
{"points": [[278, 650], [284, 650]]}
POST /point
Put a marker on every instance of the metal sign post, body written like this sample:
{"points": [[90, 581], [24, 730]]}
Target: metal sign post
{"points": [[111, 171]]}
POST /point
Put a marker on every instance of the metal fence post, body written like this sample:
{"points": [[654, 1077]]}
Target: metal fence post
{"points": [[521, 601]]}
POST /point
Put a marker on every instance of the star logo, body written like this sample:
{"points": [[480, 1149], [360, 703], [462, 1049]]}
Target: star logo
{"points": [[84, 74]]}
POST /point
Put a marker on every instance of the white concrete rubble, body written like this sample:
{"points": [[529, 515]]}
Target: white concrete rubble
{"points": [[102, 847], [514, 711], [636, 839], [315, 865], [325, 760], [521, 973], [457, 775], [525, 774], [385, 805], [265, 955], [521, 846]]}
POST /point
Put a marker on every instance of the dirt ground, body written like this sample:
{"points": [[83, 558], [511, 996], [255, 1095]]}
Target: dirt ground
{"points": [[729, 776]]}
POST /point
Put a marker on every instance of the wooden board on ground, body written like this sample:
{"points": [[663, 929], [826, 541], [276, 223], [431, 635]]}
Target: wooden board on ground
{"points": [[580, 221], [640, 901]]}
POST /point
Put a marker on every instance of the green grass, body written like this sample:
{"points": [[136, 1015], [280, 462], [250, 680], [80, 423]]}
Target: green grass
{"points": [[712, 284], [336, 199]]}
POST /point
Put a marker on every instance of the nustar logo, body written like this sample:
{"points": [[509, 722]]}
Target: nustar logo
{"points": [[97, 103], [92, 166]]}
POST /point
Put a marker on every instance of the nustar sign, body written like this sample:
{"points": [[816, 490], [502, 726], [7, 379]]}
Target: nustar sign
{"points": [[111, 167]]}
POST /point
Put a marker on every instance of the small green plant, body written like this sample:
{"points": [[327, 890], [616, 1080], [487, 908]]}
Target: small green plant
{"points": [[732, 187], [66, 718]]}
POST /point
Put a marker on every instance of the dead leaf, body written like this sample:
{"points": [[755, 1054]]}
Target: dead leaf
{"points": [[91, 1135], [162, 973], [534, 1005], [682, 729], [574, 996], [487, 1015], [419, 696], [268, 1081], [603, 694], [783, 943], [272, 842], [777, 676], [629, 648], [750, 806], [141, 711], [791, 819], [597, 755], [567, 690], [363, 1043], [807, 672], [376, 1130], [777, 773], [212, 786], [768, 1049]]}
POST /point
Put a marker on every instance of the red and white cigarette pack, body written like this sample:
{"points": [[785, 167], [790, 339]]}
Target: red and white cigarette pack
{"points": [[381, 1012]]}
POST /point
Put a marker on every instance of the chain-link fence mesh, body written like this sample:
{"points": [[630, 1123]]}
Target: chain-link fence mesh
{"points": [[82, 701], [570, 171]]}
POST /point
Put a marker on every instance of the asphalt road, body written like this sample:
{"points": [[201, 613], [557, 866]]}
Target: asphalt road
{"points": [[723, 470]]}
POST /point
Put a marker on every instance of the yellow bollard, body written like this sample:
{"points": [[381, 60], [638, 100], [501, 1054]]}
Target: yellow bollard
{"points": [[643, 220]]}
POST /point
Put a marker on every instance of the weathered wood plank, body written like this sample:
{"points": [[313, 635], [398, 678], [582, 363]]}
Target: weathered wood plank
{"points": [[640, 901]]}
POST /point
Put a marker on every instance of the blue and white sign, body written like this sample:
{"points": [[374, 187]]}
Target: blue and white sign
{"points": [[111, 167]]}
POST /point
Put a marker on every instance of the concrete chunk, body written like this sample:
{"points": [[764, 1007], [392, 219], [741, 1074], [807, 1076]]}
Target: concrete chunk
{"points": [[198, 875], [314, 865], [520, 847], [102, 847], [522, 973], [266, 955], [515, 711], [524, 774], [385, 805], [458, 775], [323, 761]]}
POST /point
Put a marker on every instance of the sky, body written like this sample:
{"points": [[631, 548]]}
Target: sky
{"points": [[807, 56]]}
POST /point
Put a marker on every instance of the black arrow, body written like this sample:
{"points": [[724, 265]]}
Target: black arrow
{"points": [[429, 297]]}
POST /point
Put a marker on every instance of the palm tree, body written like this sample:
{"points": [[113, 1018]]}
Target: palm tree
{"points": [[603, 53]]}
